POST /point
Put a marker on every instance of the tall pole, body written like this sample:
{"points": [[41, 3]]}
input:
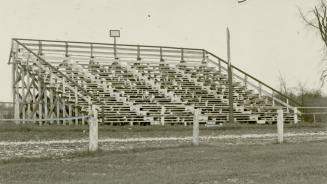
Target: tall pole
{"points": [[230, 80], [115, 49]]}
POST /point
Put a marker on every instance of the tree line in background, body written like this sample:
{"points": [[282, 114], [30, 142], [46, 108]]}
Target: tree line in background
{"points": [[307, 98]]}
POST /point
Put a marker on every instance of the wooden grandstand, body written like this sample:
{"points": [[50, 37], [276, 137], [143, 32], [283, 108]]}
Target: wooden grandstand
{"points": [[135, 85]]}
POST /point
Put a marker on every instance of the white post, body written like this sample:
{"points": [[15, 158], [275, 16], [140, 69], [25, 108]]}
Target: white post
{"points": [[162, 113], [295, 116], [280, 126], [93, 131], [196, 139]]}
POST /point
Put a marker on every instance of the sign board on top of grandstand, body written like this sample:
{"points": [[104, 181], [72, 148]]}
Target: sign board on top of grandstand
{"points": [[114, 33]]}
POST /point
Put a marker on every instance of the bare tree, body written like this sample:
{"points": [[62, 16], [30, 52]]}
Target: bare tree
{"points": [[317, 18]]}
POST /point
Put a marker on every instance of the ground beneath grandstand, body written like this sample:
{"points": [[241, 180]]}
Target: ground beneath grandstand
{"points": [[228, 154]]}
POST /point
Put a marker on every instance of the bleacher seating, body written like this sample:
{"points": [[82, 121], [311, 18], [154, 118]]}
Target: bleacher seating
{"points": [[155, 89]]}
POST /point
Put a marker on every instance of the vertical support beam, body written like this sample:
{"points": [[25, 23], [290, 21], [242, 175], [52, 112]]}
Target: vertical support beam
{"points": [[245, 81], [287, 107], [15, 93], [76, 104], [273, 98], [296, 120], [58, 109], [34, 104], [115, 49], [40, 97], [230, 80], [196, 132], [63, 107], [45, 104], [161, 55], [102, 114], [182, 56], [280, 126], [91, 47], [40, 51], [138, 53], [314, 118], [204, 59], [260, 90], [66, 49], [63, 111], [23, 87], [70, 114], [51, 91], [219, 66]]}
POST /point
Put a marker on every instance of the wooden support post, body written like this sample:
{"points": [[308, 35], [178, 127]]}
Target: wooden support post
{"points": [[15, 93], [260, 90], [17, 116], [296, 120], [230, 80], [93, 130], [58, 109], [219, 66], [76, 103], [102, 114], [34, 104], [161, 55], [196, 138], [70, 114], [280, 126], [245, 81], [314, 118], [63, 107], [23, 87], [91, 47], [204, 59], [273, 99], [115, 49], [138, 57], [287, 107], [45, 104], [40, 89], [29, 110], [182, 56]]}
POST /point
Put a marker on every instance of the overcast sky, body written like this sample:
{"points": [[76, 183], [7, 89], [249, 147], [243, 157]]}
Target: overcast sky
{"points": [[268, 36]]}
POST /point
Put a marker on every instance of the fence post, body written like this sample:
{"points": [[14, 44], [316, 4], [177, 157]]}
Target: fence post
{"points": [[93, 130], [162, 113], [196, 138], [280, 126], [296, 120]]}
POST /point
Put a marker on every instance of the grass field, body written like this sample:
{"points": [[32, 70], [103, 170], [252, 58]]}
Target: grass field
{"points": [[288, 163], [213, 162]]}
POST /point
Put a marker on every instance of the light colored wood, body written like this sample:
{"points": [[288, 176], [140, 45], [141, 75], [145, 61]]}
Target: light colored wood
{"points": [[296, 120], [280, 126], [93, 131], [196, 131]]}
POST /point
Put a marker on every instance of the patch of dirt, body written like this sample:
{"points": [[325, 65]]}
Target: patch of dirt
{"points": [[60, 148]]}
